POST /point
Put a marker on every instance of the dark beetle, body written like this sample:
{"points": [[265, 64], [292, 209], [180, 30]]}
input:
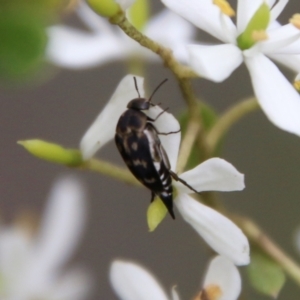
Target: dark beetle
{"points": [[140, 147]]}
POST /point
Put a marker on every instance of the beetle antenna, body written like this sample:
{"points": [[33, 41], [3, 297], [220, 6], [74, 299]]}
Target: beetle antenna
{"points": [[136, 87], [165, 80]]}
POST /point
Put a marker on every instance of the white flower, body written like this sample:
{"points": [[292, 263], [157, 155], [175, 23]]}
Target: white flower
{"points": [[276, 95], [72, 48], [131, 281], [31, 264], [214, 174]]}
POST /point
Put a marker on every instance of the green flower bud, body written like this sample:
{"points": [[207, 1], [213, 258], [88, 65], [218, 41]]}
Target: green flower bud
{"points": [[156, 213], [105, 8], [53, 152], [139, 13], [258, 23]]}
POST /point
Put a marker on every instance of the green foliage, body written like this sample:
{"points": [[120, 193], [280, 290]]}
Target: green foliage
{"points": [[265, 275], [23, 35], [209, 118], [22, 45]]}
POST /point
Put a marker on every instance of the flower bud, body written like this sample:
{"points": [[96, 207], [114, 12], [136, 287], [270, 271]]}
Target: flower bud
{"points": [[139, 13], [105, 8], [52, 152]]}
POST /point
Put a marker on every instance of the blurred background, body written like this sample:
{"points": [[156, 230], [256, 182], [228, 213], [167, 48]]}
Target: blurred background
{"points": [[61, 105]]}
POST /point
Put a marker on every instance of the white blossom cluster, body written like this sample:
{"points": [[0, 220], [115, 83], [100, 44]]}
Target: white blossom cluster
{"points": [[258, 40], [32, 264]]}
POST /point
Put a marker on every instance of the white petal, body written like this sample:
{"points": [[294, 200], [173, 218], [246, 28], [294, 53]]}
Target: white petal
{"points": [[274, 25], [214, 174], [214, 62], [74, 285], [220, 233], [15, 249], [167, 123], [125, 3], [103, 128], [224, 274], [282, 40], [205, 16], [271, 2], [61, 227], [132, 282], [175, 295], [75, 49], [277, 9], [176, 34], [277, 97], [290, 61], [245, 11]]}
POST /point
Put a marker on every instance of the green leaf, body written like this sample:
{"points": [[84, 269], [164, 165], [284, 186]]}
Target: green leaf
{"points": [[23, 42], [209, 118], [265, 275]]}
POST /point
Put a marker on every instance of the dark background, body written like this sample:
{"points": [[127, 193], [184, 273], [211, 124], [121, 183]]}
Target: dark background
{"points": [[61, 109]]}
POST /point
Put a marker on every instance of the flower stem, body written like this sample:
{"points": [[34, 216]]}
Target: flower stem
{"points": [[180, 71], [164, 53], [187, 145], [257, 236], [227, 120], [109, 169]]}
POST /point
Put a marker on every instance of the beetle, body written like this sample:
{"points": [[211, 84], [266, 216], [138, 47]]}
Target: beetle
{"points": [[138, 142]]}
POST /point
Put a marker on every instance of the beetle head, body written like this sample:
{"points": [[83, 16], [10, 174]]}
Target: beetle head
{"points": [[139, 104], [142, 103]]}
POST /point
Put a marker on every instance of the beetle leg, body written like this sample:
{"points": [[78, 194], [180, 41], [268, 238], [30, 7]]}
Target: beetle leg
{"points": [[167, 133], [150, 119], [160, 114], [177, 178]]}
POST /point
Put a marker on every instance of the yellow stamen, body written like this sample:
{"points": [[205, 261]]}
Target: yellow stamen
{"points": [[259, 35], [211, 292], [297, 85], [295, 20], [225, 7], [214, 292]]}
